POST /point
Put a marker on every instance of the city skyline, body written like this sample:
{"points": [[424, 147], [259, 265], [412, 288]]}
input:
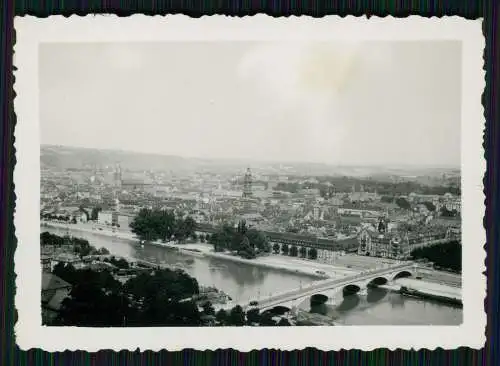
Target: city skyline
{"points": [[289, 95]]}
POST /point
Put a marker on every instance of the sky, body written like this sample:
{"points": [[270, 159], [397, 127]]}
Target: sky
{"points": [[371, 103]]}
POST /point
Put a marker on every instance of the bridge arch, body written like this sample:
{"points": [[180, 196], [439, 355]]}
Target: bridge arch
{"points": [[402, 274], [378, 281], [350, 289], [278, 310], [332, 287], [318, 299]]}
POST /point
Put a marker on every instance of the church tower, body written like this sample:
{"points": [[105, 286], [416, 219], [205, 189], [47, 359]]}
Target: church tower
{"points": [[382, 225], [117, 176], [247, 184]]}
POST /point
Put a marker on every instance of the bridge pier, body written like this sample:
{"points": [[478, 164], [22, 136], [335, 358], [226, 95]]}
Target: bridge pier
{"points": [[332, 300], [333, 287]]}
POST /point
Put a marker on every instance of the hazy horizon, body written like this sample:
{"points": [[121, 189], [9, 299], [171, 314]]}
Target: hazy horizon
{"points": [[370, 104], [388, 166]]}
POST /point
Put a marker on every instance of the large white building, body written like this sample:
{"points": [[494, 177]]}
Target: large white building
{"points": [[108, 218]]}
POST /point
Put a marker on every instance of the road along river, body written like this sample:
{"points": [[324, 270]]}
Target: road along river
{"points": [[245, 282]]}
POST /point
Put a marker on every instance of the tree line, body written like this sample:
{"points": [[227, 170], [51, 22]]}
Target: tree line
{"points": [[161, 298], [328, 185], [97, 299], [238, 317], [79, 246], [164, 225], [445, 256], [246, 242], [294, 251], [63, 218]]}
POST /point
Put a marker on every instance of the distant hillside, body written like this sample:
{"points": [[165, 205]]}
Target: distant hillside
{"points": [[65, 157]]}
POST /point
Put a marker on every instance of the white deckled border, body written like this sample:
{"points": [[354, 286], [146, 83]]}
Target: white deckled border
{"points": [[32, 31]]}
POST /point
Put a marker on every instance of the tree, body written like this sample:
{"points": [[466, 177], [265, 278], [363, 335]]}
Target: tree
{"points": [[266, 319], [294, 251], [184, 228], [88, 306], [94, 214], [65, 271], [246, 242], [47, 238], [242, 227], [173, 285], [95, 299], [253, 316], [120, 263], [430, 206], [237, 316], [190, 225], [152, 225], [447, 255], [387, 199], [284, 322], [276, 248], [258, 240], [447, 213], [208, 308], [303, 252], [159, 299], [82, 247], [284, 249], [103, 251], [245, 250], [403, 203], [313, 253], [222, 317]]}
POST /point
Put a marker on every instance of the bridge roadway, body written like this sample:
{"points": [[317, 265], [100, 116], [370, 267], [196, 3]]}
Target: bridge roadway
{"points": [[328, 284]]}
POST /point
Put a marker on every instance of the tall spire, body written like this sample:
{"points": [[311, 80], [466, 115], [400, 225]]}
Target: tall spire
{"points": [[117, 175], [247, 184]]}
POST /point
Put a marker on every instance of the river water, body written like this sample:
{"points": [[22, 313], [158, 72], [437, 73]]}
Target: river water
{"points": [[245, 282]]}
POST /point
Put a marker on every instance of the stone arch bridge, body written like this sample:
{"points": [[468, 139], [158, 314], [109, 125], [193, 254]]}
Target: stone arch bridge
{"points": [[349, 284]]}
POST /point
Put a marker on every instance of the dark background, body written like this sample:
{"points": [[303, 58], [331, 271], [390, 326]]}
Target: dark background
{"points": [[489, 10]]}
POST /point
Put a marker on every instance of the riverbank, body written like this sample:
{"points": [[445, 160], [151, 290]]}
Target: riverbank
{"points": [[285, 264], [427, 290], [428, 296], [281, 263]]}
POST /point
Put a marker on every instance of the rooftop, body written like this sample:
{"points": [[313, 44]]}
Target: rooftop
{"points": [[52, 282]]}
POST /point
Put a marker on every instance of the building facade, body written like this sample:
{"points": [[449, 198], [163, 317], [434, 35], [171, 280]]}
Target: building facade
{"points": [[108, 218], [46, 263], [399, 245]]}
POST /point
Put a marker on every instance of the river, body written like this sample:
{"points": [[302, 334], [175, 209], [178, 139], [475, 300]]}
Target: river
{"points": [[245, 282]]}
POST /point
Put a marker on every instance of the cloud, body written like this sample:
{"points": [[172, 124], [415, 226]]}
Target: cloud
{"points": [[308, 81], [327, 102]]}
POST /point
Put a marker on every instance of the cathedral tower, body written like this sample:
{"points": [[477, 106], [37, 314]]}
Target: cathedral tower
{"points": [[247, 184]]}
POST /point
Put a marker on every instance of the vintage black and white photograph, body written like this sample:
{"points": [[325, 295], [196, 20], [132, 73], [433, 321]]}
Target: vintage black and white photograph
{"points": [[251, 183]]}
